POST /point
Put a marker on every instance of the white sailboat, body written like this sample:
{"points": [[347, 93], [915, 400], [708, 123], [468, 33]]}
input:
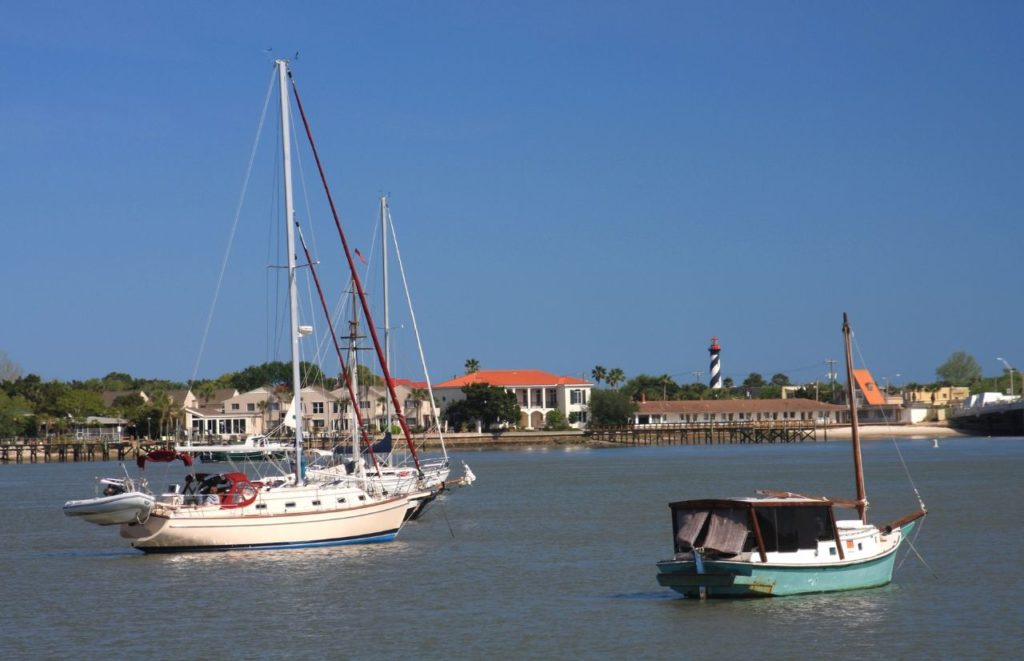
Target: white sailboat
{"points": [[420, 478], [230, 510]]}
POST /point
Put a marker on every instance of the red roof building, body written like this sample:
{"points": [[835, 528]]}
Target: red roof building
{"points": [[537, 392]]}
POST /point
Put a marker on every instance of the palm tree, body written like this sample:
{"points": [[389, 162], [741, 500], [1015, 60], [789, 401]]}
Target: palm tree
{"points": [[615, 377], [206, 391], [665, 380], [599, 373], [472, 365]]}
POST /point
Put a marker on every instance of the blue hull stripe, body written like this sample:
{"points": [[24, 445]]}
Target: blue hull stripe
{"points": [[373, 538]]}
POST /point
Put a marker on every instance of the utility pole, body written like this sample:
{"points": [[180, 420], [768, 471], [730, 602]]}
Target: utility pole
{"points": [[831, 362]]}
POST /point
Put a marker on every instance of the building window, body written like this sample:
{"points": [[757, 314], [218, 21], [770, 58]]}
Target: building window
{"points": [[537, 397], [552, 398], [577, 396], [250, 407], [318, 424], [318, 408], [234, 406], [521, 396]]}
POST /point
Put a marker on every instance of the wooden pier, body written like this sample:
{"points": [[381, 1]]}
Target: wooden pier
{"points": [[37, 451], [712, 433]]}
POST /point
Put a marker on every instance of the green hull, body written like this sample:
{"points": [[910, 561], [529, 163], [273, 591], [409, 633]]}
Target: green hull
{"points": [[743, 579]]}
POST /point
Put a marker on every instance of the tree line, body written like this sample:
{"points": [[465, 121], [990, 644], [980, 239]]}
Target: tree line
{"points": [[30, 406], [616, 406]]}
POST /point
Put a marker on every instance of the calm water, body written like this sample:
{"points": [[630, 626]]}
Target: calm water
{"points": [[551, 554]]}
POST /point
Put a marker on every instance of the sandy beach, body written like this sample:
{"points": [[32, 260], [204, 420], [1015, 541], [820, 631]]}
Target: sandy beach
{"points": [[869, 432]]}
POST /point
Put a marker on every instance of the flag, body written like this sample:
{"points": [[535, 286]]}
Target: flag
{"points": [[360, 256]]}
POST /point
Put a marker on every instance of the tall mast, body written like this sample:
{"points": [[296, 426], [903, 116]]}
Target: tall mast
{"points": [[358, 284], [353, 371], [858, 467], [293, 297], [387, 308]]}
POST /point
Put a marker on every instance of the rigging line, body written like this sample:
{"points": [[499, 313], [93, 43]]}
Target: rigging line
{"points": [[445, 511], [416, 331], [356, 280], [910, 545], [234, 228], [888, 420]]}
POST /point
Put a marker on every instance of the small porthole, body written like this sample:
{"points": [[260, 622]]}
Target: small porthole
{"points": [[362, 497], [341, 500]]}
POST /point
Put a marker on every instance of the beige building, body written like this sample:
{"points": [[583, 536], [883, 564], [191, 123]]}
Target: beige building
{"points": [[939, 397], [537, 393], [230, 415], [738, 410]]}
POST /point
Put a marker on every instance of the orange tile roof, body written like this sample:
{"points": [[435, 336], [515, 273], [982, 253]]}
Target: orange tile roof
{"points": [[408, 383], [513, 378], [868, 387]]}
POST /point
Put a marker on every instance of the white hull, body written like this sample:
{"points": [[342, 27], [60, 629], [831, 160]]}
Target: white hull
{"points": [[391, 480], [128, 507], [287, 517]]}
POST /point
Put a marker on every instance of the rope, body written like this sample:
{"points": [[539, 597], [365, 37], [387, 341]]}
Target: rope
{"points": [[892, 438], [913, 548], [416, 330], [234, 228]]}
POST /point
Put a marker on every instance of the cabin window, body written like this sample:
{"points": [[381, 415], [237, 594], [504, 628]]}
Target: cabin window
{"points": [[722, 530], [788, 529], [316, 502]]}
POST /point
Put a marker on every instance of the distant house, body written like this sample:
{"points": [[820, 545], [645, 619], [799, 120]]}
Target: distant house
{"points": [[874, 405], [111, 396], [537, 393], [207, 417], [97, 427], [375, 403], [738, 410], [943, 396]]}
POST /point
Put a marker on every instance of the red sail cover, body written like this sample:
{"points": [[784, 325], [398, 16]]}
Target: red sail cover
{"points": [[162, 456]]}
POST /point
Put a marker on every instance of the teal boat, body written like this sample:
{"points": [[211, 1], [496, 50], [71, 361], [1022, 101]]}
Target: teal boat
{"points": [[781, 543]]}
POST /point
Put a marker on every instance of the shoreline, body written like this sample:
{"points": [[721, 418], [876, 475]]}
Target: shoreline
{"points": [[876, 432], [532, 440]]}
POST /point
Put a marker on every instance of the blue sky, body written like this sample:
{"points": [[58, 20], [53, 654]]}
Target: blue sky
{"points": [[573, 183]]}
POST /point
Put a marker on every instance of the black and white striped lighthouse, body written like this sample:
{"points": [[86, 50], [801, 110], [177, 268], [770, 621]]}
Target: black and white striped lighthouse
{"points": [[716, 365]]}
